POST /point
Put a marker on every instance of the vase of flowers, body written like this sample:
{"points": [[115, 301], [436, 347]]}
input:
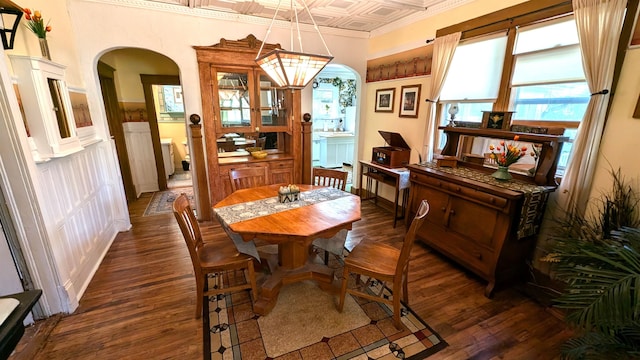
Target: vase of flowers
{"points": [[35, 23], [504, 155]]}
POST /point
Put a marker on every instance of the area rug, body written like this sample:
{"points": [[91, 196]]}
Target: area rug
{"points": [[162, 201], [305, 324]]}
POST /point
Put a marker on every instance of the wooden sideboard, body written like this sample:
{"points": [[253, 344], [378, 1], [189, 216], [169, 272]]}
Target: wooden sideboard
{"points": [[485, 225]]}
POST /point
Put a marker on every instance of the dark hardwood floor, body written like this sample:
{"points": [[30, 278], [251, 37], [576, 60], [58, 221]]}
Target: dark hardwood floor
{"points": [[141, 301]]}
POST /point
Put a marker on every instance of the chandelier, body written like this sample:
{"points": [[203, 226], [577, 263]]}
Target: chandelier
{"points": [[288, 68]]}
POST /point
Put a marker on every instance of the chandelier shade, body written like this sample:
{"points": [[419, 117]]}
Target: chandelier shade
{"points": [[291, 69]]}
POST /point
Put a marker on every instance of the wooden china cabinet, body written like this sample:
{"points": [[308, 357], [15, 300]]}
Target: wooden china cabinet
{"points": [[241, 101], [486, 225]]}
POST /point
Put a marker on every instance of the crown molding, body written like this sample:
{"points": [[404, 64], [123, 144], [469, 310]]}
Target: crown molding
{"points": [[225, 16]]}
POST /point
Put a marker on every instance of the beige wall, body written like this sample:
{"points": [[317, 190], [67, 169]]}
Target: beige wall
{"points": [[619, 147], [130, 63], [63, 48], [420, 31]]}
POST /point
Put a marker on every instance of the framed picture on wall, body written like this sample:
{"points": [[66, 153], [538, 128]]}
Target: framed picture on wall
{"points": [[409, 101], [635, 35], [385, 99]]}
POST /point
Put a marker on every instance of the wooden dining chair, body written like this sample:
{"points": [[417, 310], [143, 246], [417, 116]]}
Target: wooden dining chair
{"points": [[384, 263], [211, 258], [336, 179], [249, 177], [330, 177]]}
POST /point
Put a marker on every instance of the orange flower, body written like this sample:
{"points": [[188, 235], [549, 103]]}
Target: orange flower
{"points": [[511, 154], [35, 23]]}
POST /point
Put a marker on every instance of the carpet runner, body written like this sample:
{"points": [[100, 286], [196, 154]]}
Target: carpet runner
{"points": [[162, 201]]}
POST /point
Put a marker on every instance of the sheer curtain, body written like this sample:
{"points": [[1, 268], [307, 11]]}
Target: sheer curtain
{"points": [[443, 49], [599, 23]]}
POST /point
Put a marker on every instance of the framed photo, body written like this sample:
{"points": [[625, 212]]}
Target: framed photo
{"points": [[499, 120], [385, 99], [409, 101], [635, 36]]}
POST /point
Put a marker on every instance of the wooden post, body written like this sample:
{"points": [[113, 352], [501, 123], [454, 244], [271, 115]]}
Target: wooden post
{"points": [[199, 170], [307, 129]]}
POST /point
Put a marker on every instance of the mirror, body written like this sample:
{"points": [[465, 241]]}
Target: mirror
{"points": [[62, 119], [477, 150], [238, 142]]}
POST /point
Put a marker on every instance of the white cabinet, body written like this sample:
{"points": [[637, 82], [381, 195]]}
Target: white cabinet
{"points": [[335, 149], [167, 156], [47, 106]]}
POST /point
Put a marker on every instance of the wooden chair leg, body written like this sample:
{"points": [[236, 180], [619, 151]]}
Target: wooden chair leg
{"points": [[343, 290], [200, 289], [405, 287], [206, 326], [252, 280], [396, 305]]}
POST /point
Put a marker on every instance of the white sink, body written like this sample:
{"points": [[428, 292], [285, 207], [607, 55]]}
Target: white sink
{"points": [[7, 305]]}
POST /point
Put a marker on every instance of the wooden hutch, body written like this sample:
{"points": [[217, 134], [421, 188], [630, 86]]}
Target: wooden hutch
{"points": [[240, 101], [486, 225]]}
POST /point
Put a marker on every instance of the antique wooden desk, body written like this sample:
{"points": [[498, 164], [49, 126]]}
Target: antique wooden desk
{"points": [[321, 213], [398, 178]]}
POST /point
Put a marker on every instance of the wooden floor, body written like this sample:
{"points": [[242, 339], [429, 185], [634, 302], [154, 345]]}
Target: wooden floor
{"points": [[141, 301]]}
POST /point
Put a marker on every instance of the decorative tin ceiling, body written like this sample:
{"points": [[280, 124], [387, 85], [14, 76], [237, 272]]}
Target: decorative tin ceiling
{"points": [[359, 15]]}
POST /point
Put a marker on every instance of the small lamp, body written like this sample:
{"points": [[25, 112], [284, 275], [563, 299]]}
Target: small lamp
{"points": [[291, 69], [10, 15], [453, 111]]}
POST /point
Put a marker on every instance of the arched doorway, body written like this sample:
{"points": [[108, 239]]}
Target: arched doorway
{"points": [[335, 109], [149, 128]]}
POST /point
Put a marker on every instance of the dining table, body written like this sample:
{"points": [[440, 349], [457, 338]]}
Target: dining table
{"points": [[257, 213]]}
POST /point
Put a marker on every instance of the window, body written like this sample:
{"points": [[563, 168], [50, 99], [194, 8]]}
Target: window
{"points": [[475, 70], [547, 83], [473, 79]]}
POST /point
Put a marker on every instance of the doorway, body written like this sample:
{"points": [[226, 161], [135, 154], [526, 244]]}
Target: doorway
{"points": [[165, 110], [148, 125], [334, 119]]}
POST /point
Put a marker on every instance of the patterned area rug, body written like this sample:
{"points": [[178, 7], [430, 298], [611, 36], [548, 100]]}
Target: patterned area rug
{"points": [[162, 201], [305, 325]]}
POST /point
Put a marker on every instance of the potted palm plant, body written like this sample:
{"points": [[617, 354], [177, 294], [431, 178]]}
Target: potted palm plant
{"points": [[598, 257]]}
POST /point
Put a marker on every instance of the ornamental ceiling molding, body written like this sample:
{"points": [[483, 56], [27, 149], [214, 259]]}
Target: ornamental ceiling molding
{"points": [[411, 19], [226, 16]]}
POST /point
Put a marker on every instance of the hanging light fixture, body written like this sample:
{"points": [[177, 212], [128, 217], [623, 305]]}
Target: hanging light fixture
{"points": [[10, 15], [289, 68]]}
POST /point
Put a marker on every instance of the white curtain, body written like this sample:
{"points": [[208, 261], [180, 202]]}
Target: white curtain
{"points": [[443, 49], [599, 23]]}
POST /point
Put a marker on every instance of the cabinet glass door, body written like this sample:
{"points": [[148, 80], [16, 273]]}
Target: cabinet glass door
{"points": [[273, 105], [234, 99]]}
